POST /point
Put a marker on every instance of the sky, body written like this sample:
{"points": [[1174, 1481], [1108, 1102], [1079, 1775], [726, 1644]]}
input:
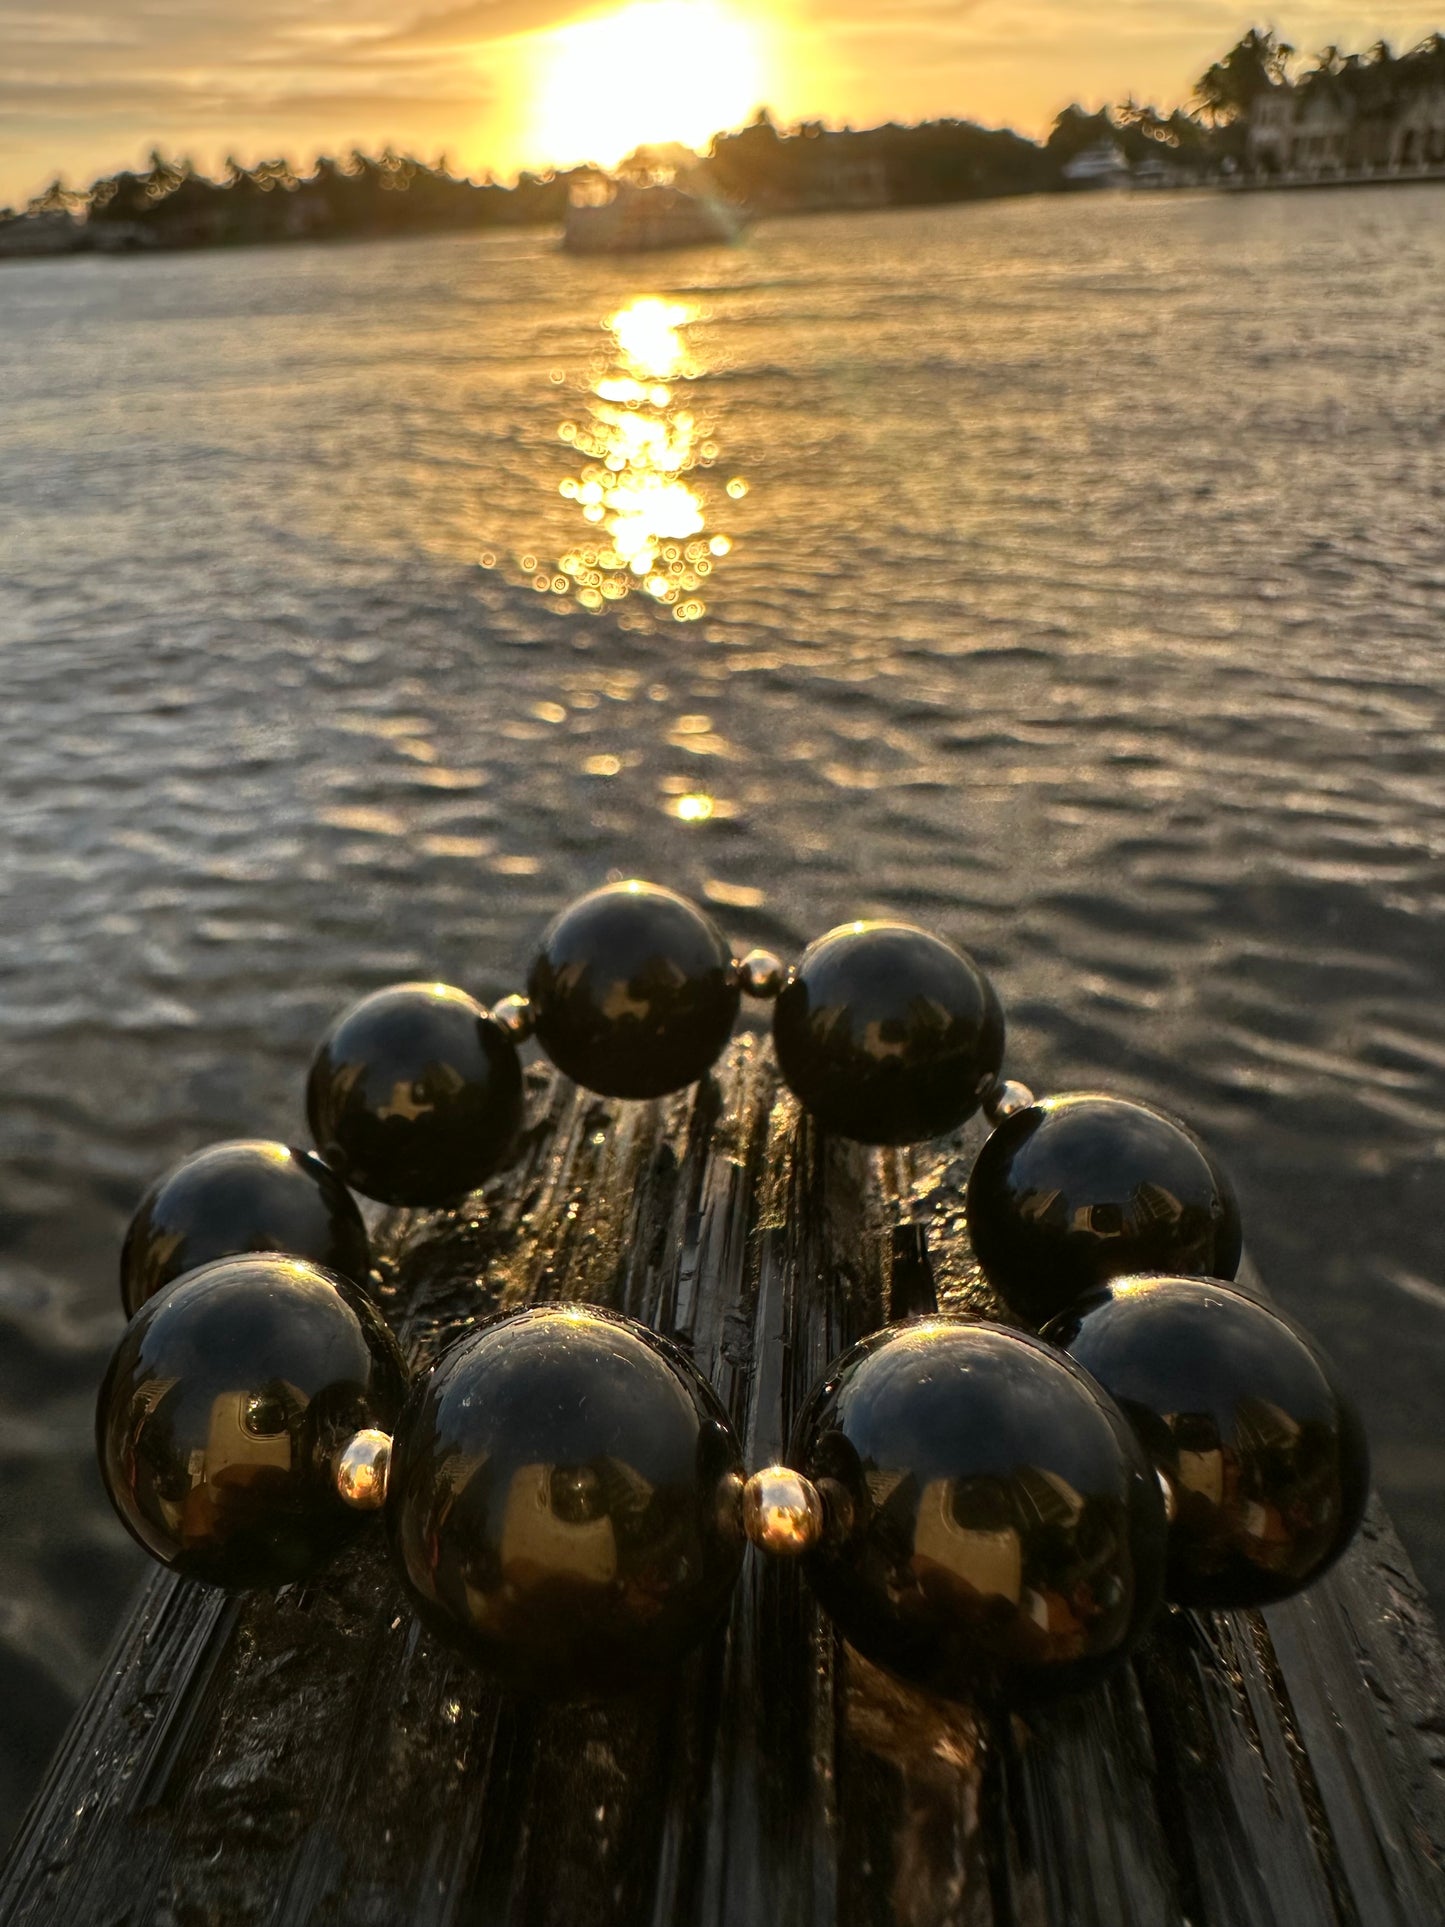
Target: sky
{"points": [[87, 86]]}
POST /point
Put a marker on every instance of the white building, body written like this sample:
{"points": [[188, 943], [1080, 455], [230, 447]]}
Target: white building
{"points": [[1323, 129]]}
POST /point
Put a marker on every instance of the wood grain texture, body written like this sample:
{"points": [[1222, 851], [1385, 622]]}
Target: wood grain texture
{"points": [[316, 1758]]}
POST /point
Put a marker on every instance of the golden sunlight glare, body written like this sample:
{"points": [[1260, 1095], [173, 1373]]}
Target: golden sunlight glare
{"points": [[641, 487], [648, 333], [655, 71]]}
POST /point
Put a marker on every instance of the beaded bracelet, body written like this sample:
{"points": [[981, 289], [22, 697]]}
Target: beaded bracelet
{"points": [[985, 1511]]}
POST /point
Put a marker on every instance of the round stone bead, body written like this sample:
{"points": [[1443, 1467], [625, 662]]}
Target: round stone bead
{"points": [[223, 1407], [247, 1195], [415, 1094], [1072, 1191], [994, 1526], [556, 1501], [887, 1034], [633, 991], [1262, 1449]]}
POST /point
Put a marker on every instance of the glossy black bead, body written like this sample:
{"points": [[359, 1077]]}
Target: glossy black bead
{"points": [[994, 1526], [633, 991], [415, 1094], [221, 1410], [247, 1195], [887, 1034], [1260, 1444], [1076, 1190], [559, 1501]]}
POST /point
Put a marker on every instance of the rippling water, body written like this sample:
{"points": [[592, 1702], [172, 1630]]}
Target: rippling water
{"points": [[1065, 574]]}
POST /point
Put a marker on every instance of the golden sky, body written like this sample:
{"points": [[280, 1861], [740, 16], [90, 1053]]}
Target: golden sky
{"points": [[89, 85]]}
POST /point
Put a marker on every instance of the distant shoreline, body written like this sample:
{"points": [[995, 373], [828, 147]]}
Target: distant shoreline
{"points": [[1362, 177], [1257, 118], [125, 247]]}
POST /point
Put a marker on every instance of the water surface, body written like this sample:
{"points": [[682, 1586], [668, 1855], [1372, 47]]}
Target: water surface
{"points": [[1065, 574]]}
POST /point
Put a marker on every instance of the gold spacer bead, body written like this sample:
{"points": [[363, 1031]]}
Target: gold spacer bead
{"points": [[782, 1512], [362, 1469], [762, 975], [516, 1017], [1003, 1098]]}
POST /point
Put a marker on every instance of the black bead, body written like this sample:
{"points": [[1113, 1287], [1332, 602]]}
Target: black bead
{"points": [[994, 1527], [222, 1407], [231, 1198], [887, 1034], [633, 991], [559, 1501], [1263, 1450], [415, 1094], [1077, 1190]]}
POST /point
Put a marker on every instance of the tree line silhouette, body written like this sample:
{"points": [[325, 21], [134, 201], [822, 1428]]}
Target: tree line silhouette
{"points": [[173, 204], [1375, 84]]}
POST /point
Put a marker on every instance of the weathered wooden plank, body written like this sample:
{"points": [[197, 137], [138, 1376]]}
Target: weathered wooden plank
{"points": [[317, 1758], [1372, 1731]]}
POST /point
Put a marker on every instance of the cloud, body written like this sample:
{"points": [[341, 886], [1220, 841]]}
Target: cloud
{"points": [[81, 101], [490, 20]]}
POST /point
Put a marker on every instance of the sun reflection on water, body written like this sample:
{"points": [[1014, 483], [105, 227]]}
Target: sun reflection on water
{"points": [[694, 809], [637, 486]]}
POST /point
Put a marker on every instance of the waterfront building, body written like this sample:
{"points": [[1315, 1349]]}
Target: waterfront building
{"points": [[1327, 127]]}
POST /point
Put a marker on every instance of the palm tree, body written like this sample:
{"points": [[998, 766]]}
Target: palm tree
{"points": [[1229, 88], [1076, 129], [1428, 61], [55, 199]]}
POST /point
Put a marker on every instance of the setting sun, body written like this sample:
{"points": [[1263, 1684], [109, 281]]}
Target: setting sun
{"points": [[657, 70]]}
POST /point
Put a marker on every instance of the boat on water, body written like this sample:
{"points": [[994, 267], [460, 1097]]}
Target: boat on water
{"points": [[632, 218], [1102, 165]]}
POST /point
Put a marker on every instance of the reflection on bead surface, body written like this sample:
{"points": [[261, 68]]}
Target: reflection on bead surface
{"points": [[415, 1094], [223, 1408], [1076, 1190], [1262, 1447], [782, 1512], [887, 1034], [633, 991], [1005, 1531], [249, 1195], [556, 1501]]}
